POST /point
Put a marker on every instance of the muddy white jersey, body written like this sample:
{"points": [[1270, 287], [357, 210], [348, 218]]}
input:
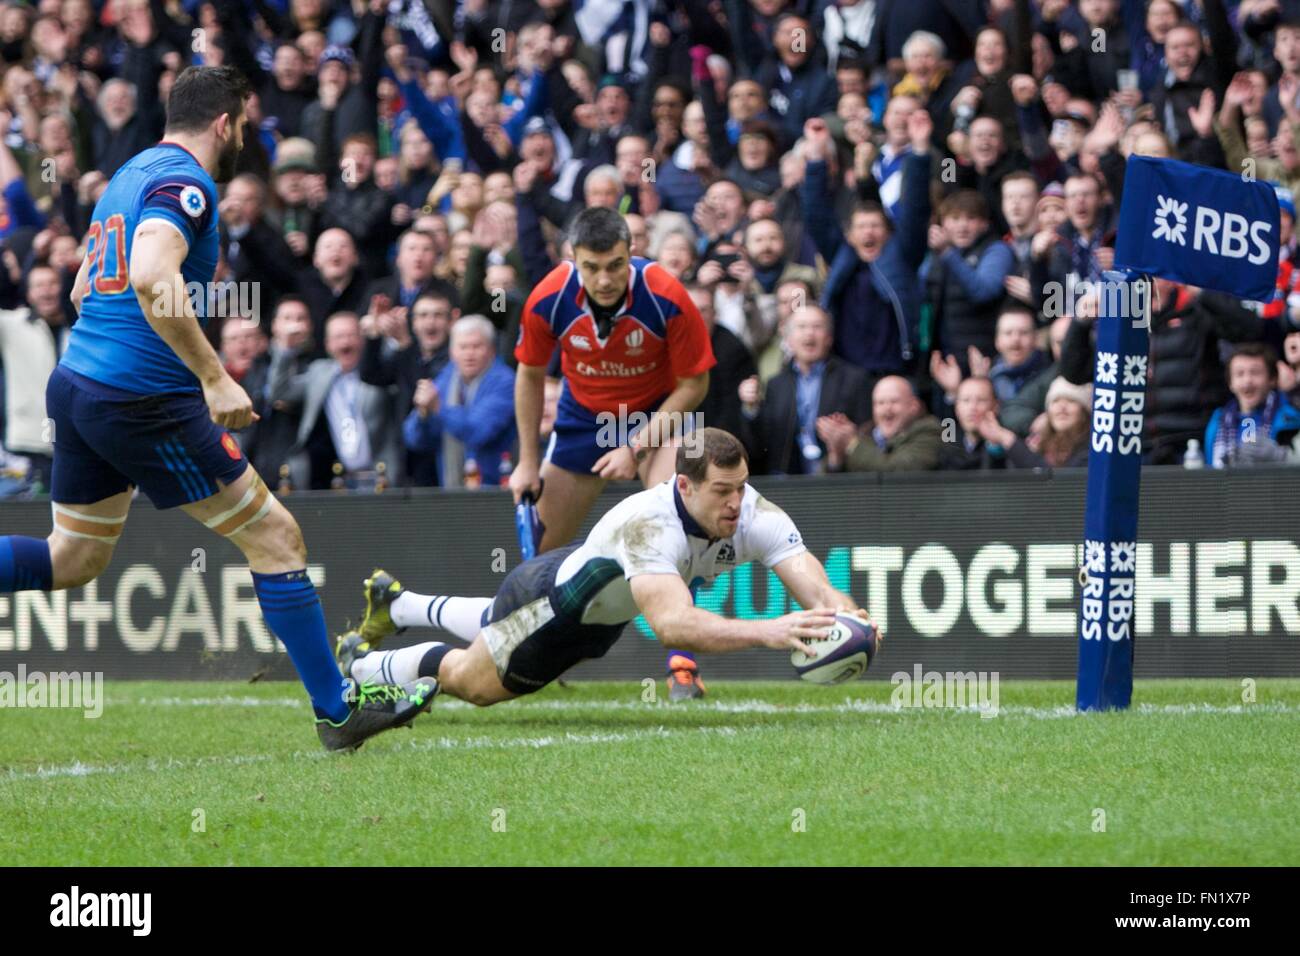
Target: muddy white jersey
{"points": [[652, 533]]}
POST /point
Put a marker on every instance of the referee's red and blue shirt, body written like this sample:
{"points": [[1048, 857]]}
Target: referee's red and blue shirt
{"points": [[658, 337]]}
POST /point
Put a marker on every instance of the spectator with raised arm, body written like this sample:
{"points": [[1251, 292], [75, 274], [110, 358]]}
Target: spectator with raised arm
{"points": [[18, 210], [872, 288], [439, 120], [129, 116], [1083, 247], [965, 282], [347, 81]]}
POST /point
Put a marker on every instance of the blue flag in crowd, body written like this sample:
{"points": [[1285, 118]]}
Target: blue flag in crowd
{"points": [[1205, 227]]}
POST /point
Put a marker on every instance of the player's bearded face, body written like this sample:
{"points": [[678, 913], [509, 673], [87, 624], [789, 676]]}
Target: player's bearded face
{"points": [[230, 150]]}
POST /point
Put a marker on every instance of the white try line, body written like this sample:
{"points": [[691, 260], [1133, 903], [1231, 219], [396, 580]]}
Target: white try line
{"points": [[750, 706], [854, 706], [849, 706], [225, 701], [79, 769]]}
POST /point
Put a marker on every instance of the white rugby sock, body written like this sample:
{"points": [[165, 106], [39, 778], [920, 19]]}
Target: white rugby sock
{"points": [[461, 615], [392, 667]]}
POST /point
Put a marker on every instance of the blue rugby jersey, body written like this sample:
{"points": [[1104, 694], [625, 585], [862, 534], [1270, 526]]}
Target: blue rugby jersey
{"points": [[112, 342]]}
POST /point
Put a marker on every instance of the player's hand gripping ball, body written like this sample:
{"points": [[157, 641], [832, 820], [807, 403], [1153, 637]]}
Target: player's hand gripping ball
{"points": [[844, 654]]}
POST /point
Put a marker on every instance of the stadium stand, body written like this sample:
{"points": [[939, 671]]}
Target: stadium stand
{"points": [[424, 157]]}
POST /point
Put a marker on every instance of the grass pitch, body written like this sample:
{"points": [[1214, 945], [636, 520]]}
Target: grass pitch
{"points": [[759, 773]]}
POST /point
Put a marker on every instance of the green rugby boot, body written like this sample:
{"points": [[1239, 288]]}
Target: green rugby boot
{"points": [[382, 589], [376, 708]]}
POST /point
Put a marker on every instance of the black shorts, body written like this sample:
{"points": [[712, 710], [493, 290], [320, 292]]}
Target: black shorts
{"points": [[534, 630]]}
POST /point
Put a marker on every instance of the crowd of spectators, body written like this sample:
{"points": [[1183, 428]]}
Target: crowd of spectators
{"points": [[887, 211]]}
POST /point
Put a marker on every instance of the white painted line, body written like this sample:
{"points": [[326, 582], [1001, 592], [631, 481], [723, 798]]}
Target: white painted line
{"points": [[79, 769], [851, 705], [225, 701], [751, 706], [848, 706]]}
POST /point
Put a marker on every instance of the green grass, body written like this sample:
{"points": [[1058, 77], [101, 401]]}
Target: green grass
{"points": [[592, 775]]}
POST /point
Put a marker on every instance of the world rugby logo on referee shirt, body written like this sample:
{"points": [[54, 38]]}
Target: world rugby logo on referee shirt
{"points": [[633, 341], [193, 201]]}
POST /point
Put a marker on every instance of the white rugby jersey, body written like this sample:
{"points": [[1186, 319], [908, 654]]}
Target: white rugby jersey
{"points": [[652, 533]]}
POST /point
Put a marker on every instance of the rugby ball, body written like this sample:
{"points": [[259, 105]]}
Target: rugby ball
{"points": [[843, 655]]}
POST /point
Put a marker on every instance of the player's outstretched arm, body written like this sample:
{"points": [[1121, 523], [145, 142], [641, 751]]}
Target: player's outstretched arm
{"points": [[804, 576], [666, 603], [157, 251]]}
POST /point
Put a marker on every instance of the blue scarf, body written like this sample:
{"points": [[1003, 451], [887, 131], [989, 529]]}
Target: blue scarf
{"points": [[767, 278], [1008, 380], [884, 172], [1082, 254], [1228, 438]]}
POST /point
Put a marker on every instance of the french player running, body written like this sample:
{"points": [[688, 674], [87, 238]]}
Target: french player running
{"points": [[140, 400], [631, 341], [572, 603]]}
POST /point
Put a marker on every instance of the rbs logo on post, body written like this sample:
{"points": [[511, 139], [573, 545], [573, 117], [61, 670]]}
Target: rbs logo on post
{"points": [[1227, 234]]}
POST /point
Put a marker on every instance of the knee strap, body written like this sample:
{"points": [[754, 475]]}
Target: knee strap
{"points": [[78, 524], [253, 506]]}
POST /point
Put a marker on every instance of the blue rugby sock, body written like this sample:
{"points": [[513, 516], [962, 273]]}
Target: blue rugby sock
{"points": [[293, 613], [25, 564]]}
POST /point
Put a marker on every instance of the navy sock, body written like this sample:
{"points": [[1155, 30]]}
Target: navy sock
{"points": [[432, 660], [293, 613], [25, 564]]}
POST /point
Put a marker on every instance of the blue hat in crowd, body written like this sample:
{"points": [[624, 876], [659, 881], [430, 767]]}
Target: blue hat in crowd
{"points": [[335, 52], [538, 125]]}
